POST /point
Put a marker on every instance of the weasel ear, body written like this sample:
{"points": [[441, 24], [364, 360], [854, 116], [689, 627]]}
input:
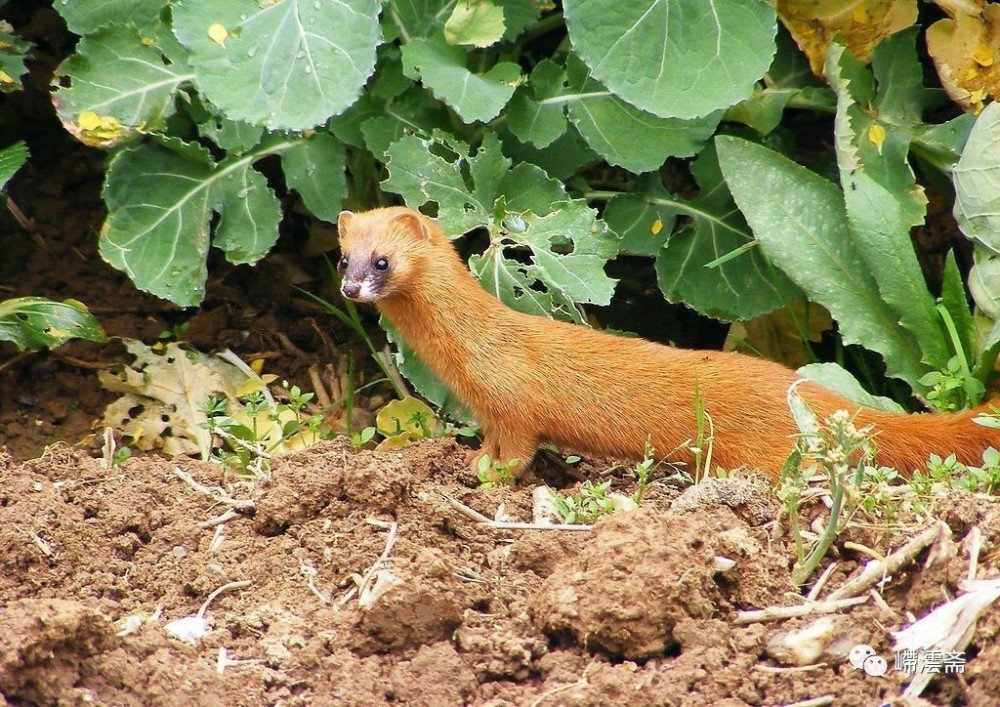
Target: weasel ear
{"points": [[344, 221], [415, 224]]}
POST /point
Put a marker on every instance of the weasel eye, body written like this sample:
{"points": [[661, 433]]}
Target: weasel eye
{"points": [[342, 265], [381, 264]]}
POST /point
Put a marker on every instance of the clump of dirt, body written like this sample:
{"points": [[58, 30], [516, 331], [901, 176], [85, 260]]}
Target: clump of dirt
{"points": [[369, 586]]}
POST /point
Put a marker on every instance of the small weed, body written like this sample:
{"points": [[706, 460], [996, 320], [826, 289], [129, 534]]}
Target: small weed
{"points": [[492, 475], [950, 473], [954, 387], [256, 426], [842, 452], [704, 440], [644, 471], [174, 333], [591, 503], [360, 439]]}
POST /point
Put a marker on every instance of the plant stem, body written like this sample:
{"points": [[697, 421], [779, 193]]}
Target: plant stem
{"points": [[804, 569]]}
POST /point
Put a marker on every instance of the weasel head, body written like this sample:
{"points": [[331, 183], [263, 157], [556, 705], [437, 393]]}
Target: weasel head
{"points": [[383, 252]]}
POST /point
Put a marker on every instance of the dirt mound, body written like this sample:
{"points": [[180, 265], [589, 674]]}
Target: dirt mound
{"points": [[368, 587]]}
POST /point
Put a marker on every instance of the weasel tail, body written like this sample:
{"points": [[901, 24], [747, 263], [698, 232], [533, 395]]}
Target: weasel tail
{"points": [[532, 381]]}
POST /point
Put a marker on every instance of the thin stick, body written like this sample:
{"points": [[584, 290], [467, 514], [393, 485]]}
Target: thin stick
{"points": [[821, 582], [219, 520], [776, 613], [322, 397], [215, 493], [377, 565], [775, 670], [508, 525], [224, 588], [814, 702], [875, 570]]}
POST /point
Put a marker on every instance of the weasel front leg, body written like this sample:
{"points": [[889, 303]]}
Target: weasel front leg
{"points": [[505, 447], [490, 448], [521, 447]]}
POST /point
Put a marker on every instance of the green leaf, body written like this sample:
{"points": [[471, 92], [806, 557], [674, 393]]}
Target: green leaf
{"points": [[419, 18], [518, 16], [741, 288], [36, 322], [530, 117], [801, 223], [161, 199], [954, 300], [988, 356], [882, 197], [984, 282], [788, 77], [422, 176], [643, 223], [415, 111], [473, 96], [118, 79], [477, 23], [286, 64], [85, 17], [231, 135], [546, 252], [944, 142], [674, 58], [552, 280], [833, 377], [977, 181], [12, 52], [11, 159], [314, 167], [626, 136], [560, 160]]}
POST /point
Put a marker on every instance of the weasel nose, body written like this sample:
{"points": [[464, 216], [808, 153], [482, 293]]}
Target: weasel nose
{"points": [[350, 289]]}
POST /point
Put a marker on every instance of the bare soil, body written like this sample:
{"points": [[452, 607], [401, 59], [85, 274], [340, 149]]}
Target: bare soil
{"points": [[95, 562]]}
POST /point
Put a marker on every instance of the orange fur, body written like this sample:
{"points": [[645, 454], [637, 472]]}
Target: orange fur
{"points": [[531, 380]]}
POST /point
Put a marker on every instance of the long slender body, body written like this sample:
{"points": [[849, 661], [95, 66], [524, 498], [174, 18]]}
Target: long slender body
{"points": [[531, 380]]}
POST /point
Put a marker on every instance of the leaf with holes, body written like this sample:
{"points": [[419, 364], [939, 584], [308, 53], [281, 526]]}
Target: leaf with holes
{"points": [[118, 86], [37, 323], [163, 394]]}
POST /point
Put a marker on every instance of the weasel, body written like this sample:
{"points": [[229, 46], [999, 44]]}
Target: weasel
{"points": [[531, 380]]}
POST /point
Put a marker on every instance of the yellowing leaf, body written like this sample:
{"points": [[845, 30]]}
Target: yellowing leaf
{"points": [[257, 365], [89, 120], [218, 34], [162, 396], [876, 135], [860, 24], [656, 227], [5, 77], [250, 385], [98, 131], [983, 55], [963, 50], [408, 416]]}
